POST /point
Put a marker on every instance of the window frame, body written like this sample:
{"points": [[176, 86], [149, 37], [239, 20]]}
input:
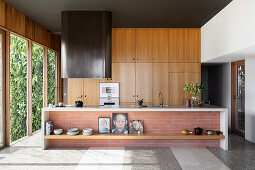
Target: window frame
{"points": [[29, 82]]}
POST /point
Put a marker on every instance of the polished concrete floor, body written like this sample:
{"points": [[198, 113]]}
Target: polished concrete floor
{"points": [[27, 154]]}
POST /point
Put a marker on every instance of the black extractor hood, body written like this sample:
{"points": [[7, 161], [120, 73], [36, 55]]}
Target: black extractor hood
{"points": [[86, 44]]}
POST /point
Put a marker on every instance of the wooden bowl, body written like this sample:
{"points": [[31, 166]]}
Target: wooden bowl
{"points": [[199, 105]]}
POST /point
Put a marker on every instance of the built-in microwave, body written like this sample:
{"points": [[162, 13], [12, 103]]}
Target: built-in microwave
{"points": [[109, 94]]}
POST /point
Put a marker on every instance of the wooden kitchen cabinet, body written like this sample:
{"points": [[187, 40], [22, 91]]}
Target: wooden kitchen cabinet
{"points": [[91, 91], [184, 67], [160, 83], [124, 73], [144, 45], [123, 45], [185, 45], [144, 82], [160, 45], [177, 95], [75, 90], [192, 45]]}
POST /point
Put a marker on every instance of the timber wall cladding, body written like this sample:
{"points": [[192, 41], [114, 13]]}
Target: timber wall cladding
{"points": [[147, 62], [154, 122], [16, 22]]}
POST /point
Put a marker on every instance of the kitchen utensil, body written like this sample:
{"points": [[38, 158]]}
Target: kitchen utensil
{"points": [[210, 132], [78, 103], [186, 132], [218, 132], [58, 131], [139, 102], [198, 131], [59, 106]]}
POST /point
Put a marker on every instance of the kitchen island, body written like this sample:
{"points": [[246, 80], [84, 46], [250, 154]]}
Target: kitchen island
{"points": [[162, 126]]}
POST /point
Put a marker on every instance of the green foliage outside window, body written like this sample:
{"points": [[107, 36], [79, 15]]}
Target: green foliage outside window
{"points": [[18, 87], [51, 76], [37, 86]]}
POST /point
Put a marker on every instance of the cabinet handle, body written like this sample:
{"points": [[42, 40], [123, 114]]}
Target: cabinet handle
{"points": [[134, 59], [136, 95], [133, 95], [85, 95]]}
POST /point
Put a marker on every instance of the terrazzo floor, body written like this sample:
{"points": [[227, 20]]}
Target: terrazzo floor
{"points": [[27, 154]]}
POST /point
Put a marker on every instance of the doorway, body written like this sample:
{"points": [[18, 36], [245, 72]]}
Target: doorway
{"points": [[238, 97]]}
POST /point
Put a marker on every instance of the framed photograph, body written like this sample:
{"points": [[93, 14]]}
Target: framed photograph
{"points": [[120, 123], [135, 126], [104, 125]]}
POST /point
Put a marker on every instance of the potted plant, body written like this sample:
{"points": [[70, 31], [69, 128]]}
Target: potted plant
{"points": [[195, 89]]}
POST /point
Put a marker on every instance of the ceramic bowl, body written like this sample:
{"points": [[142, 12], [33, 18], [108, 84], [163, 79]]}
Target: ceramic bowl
{"points": [[58, 131], [73, 130], [88, 131], [72, 133], [210, 132]]}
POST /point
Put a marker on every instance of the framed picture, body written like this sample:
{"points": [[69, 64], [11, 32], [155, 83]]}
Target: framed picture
{"points": [[120, 123], [135, 126], [104, 125]]}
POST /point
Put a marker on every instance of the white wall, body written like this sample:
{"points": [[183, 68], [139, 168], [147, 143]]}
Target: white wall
{"points": [[250, 99], [226, 90], [231, 30], [230, 36]]}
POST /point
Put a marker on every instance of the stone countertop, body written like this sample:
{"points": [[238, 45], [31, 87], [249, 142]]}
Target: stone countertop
{"points": [[134, 108]]}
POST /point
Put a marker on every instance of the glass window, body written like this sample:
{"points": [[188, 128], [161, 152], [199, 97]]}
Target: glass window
{"points": [[18, 87], [37, 86], [52, 85]]}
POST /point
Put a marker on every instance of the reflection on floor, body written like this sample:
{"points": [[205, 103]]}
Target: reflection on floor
{"points": [[28, 154]]}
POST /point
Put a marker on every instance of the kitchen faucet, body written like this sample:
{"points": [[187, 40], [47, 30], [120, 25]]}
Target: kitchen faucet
{"points": [[161, 99]]}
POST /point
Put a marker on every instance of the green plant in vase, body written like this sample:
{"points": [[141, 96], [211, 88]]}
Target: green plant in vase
{"points": [[195, 89]]}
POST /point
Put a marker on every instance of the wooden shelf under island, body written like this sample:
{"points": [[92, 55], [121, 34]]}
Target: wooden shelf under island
{"points": [[150, 136]]}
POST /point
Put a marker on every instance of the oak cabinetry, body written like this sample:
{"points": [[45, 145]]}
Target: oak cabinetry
{"points": [[160, 45], [91, 91], [160, 83], [124, 73], [176, 45], [144, 44], [75, 90], [144, 82], [123, 45], [147, 62], [184, 45], [86, 89], [192, 45], [177, 96], [185, 67]]}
